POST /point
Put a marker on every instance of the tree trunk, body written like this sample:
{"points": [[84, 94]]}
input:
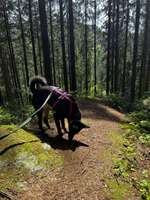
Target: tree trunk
{"points": [[113, 46], [85, 48], [13, 69], [125, 50], [23, 44], [52, 41], [73, 85], [32, 37], [147, 76], [95, 70], [117, 48], [135, 52], [40, 63], [63, 46], [144, 50], [39, 50], [6, 76], [45, 42], [108, 49], [1, 99]]}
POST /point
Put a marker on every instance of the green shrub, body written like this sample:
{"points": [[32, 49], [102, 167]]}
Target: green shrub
{"points": [[117, 102], [15, 116], [5, 116]]}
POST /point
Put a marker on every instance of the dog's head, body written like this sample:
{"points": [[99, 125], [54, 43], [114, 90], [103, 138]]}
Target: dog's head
{"points": [[36, 82], [76, 126]]}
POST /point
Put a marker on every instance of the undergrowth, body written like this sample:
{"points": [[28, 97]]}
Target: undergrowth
{"points": [[132, 164], [15, 115], [117, 102], [124, 105]]}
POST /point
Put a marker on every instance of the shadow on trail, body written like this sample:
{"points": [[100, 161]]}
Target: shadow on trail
{"points": [[55, 141], [95, 110]]}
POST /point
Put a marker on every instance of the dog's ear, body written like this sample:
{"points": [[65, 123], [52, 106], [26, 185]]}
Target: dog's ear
{"points": [[84, 125]]}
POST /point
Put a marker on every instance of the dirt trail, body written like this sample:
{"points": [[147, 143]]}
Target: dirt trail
{"points": [[84, 161]]}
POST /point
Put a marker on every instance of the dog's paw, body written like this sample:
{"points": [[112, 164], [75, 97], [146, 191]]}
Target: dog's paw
{"points": [[42, 129], [65, 131], [70, 137], [60, 134], [51, 128]]}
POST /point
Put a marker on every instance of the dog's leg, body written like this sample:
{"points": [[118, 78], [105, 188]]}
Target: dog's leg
{"points": [[57, 122], [46, 122], [63, 125], [70, 136], [40, 114], [69, 122], [46, 111]]}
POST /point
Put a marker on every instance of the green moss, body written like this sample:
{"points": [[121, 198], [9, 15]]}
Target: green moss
{"points": [[114, 187], [118, 190], [22, 155], [116, 139]]}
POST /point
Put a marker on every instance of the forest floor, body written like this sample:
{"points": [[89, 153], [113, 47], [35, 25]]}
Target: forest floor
{"points": [[86, 173]]}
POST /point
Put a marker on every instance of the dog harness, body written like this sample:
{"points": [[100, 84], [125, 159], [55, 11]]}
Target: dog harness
{"points": [[61, 95]]}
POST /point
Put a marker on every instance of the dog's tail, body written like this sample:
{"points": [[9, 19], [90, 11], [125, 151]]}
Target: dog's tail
{"points": [[35, 82]]}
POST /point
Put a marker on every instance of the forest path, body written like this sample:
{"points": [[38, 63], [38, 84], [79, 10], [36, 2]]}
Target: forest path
{"points": [[86, 163]]}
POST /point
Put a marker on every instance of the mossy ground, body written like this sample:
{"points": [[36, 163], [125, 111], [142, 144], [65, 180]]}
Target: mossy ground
{"points": [[102, 165], [114, 188], [23, 155], [125, 176]]}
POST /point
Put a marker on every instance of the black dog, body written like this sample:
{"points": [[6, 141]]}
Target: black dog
{"points": [[63, 106]]}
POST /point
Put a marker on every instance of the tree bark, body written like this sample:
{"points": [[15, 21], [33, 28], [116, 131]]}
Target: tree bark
{"points": [[125, 50], [85, 47], [32, 37], [13, 69], [73, 85], [23, 44], [144, 51], [117, 48], [45, 42], [95, 67], [113, 46], [52, 42], [6, 76], [147, 76], [108, 49], [63, 46], [40, 63], [135, 52]]}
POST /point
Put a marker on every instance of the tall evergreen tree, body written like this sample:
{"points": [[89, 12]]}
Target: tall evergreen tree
{"points": [[45, 41], [113, 45], [125, 48], [6, 75], [147, 76], [135, 52], [86, 46], [73, 84], [39, 52], [52, 42], [108, 48], [144, 50], [23, 44], [32, 37], [63, 46], [95, 70], [13, 68], [116, 75]]}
